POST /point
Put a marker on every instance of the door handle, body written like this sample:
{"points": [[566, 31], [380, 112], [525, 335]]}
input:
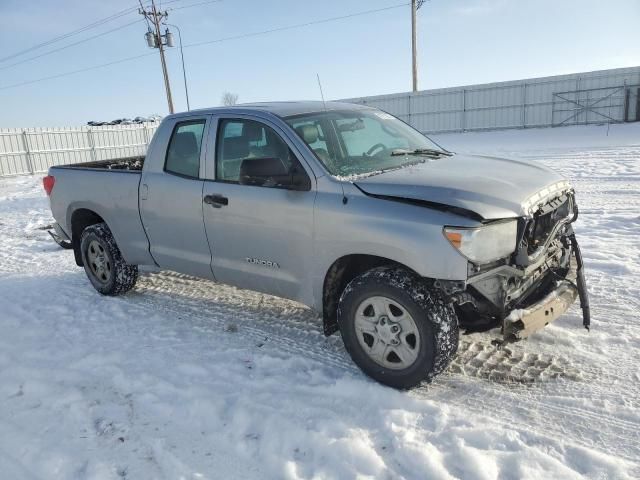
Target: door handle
{"points": [[144, 191], [216, 200]]}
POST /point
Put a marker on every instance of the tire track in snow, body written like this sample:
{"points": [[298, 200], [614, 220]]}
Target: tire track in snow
{"points": [[578, 400], [523, 378]]}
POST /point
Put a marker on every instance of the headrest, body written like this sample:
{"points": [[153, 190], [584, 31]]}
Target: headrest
{"points": [[185, 144], [309, 133], [235, 147], [252, 131], [254, 170]]}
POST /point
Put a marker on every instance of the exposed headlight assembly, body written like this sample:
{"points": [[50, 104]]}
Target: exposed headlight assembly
{"points": [[486, 243]]}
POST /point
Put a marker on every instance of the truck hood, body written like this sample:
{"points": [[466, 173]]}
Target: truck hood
{"points": [[489, 187]]}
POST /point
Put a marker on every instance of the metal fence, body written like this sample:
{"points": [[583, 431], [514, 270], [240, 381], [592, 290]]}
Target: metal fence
{"points": [[34, 150], [580, 98], [595, 105]]}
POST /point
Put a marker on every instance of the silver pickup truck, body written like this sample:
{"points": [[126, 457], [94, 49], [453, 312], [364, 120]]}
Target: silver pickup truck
{"points": [[397, 242]]}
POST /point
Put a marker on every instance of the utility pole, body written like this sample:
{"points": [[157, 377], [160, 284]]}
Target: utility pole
{"points": [[414, 53], [159, 41], [415, 6]]}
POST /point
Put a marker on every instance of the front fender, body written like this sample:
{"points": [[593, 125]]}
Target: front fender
{"points": [[407, 234]]}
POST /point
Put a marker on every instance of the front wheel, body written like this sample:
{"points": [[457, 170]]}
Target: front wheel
{"points": [[103, 263], [397, 328]]}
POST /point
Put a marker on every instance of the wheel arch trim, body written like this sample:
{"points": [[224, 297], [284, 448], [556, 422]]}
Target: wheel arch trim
{"points": [[339, 274]]}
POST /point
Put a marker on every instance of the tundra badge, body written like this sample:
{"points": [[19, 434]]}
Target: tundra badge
{"points": [[264, 263]]}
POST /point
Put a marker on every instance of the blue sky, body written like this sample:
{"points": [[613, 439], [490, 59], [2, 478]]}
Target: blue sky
{"points": [[460, 42]]}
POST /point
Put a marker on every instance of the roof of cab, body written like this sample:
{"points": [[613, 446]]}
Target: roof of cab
{"points": [[281, 109]]}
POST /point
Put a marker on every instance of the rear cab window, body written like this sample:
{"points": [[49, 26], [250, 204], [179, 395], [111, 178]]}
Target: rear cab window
{"points": [[183, 153]]}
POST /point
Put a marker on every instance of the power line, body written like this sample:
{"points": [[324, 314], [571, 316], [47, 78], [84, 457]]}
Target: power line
{"points": [[122, 60], [299, 25], [95, 24], [145, 17], [69, 45], [219, 40], [194, 5], [69, 34], [96, 36]]}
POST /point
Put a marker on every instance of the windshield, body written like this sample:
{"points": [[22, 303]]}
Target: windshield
{"points": [[357, 142]]}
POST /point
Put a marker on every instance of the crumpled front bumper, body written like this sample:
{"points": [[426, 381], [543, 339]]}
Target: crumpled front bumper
{"points": [[522, 323]]}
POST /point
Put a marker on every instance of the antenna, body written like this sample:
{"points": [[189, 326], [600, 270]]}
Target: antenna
{"points": [[321, 94]]}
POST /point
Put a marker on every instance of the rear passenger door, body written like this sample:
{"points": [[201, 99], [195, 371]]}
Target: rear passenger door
{"points": [[171, 198], [259, 224]]}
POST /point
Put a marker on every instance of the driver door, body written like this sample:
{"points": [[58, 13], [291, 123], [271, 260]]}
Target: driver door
{"points": [[259, 225]]}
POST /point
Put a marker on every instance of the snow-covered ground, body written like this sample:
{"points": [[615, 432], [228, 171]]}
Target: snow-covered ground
{"points": [[187, 379]]}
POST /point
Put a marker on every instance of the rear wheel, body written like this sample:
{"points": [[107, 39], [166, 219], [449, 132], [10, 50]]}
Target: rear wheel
{"points": [[396, 328], [103, 263]]}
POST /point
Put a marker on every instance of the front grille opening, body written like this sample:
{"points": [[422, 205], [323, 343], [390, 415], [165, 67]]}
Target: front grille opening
{"points": [[544, 221]]}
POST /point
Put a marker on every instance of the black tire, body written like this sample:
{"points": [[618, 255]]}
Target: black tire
{"points": [[434, 320], [115, 276]]}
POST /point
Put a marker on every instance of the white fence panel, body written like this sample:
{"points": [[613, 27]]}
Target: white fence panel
{"points": [[34, 150], [592, 97], [579, 98]]}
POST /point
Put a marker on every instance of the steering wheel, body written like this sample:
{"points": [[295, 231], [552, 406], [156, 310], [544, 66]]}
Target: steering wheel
{"points": [[377, 146]]}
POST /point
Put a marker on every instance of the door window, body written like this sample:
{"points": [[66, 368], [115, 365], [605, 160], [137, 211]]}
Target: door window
{"points": [[251, 153], [183, 154]]}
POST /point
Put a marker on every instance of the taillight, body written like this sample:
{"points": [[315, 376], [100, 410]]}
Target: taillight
{"points": [[48, 182]]}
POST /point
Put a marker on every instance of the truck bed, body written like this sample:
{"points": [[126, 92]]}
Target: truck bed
{"points": [[109, 188], [133, 164]]}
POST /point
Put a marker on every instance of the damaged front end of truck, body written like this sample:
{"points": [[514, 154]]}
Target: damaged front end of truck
{"points": [[537, 283]]}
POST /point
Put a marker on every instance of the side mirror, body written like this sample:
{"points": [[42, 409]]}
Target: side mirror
{"points": [[271, 172], [298, 179]]}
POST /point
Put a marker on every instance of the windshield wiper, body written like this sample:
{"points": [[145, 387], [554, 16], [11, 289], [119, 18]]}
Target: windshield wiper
{"points": [[431, 152], [389, 169], [398, 167]]}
